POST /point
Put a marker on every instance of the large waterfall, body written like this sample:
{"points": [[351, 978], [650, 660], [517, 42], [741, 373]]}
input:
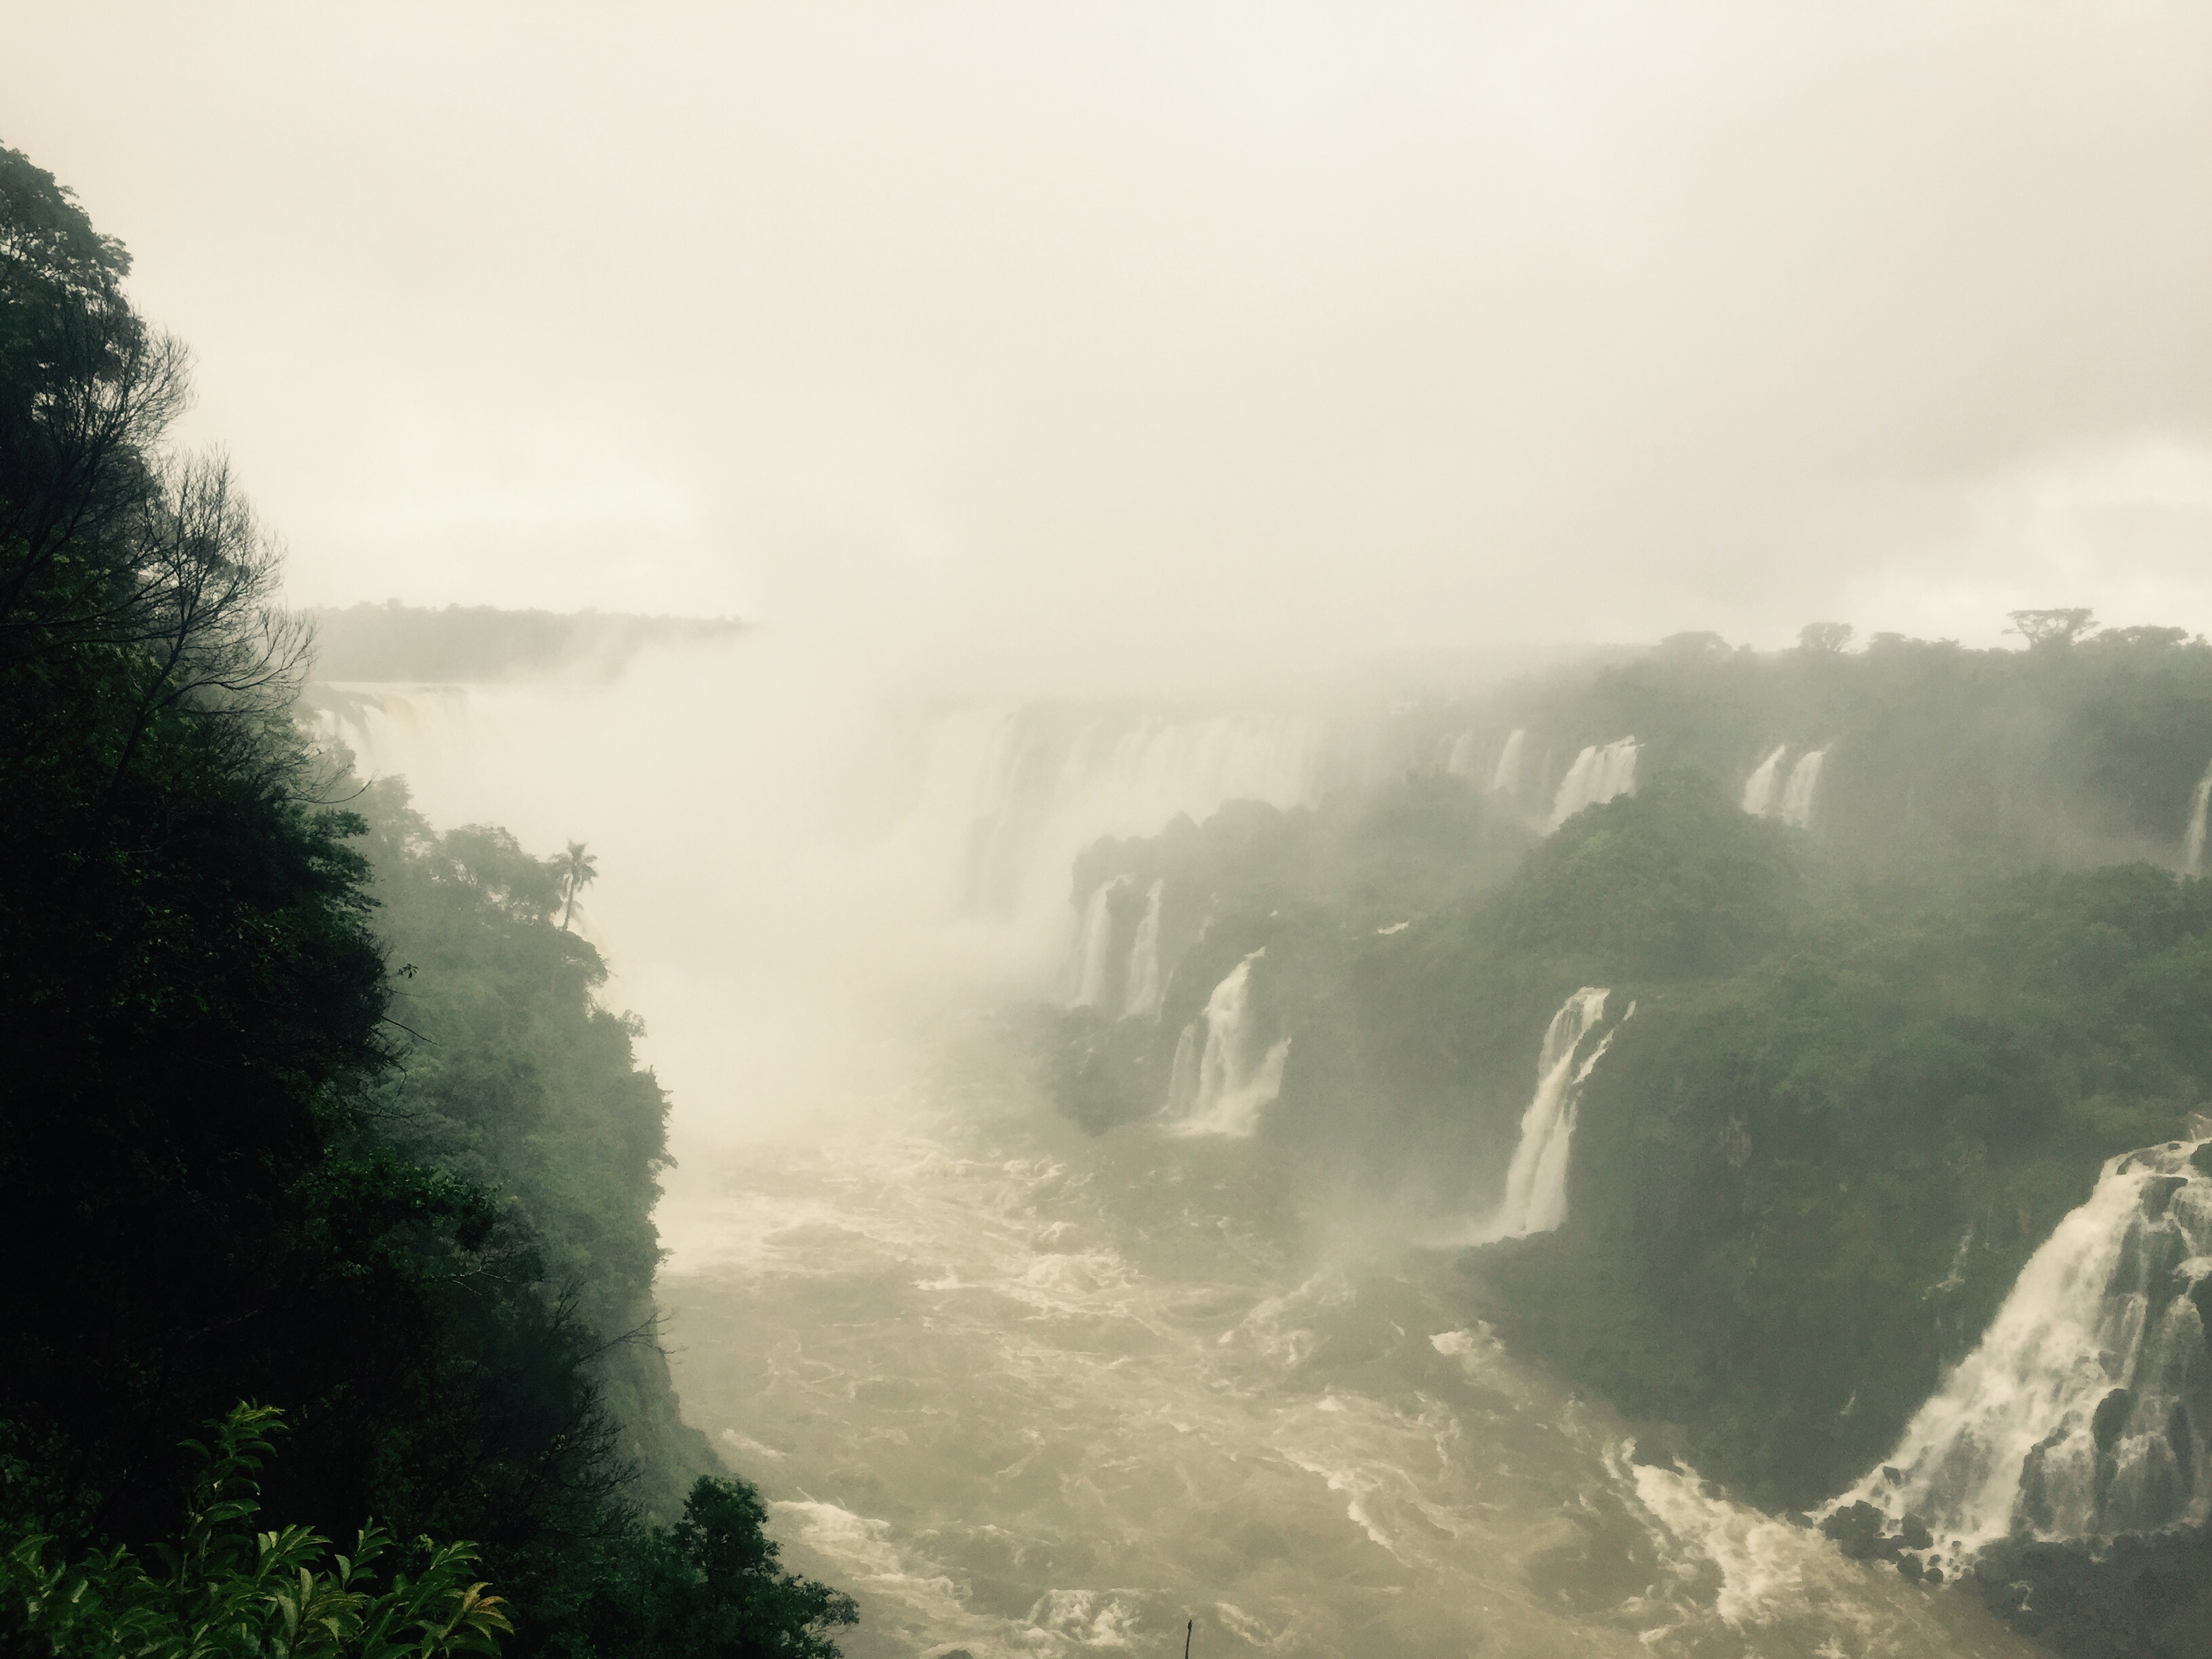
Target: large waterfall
{"points": [[1536, 1199], [1506, 776], [1797, 794], [2192, 844], [1225, 1077], [1047, 781], [1764, 783], [2086, 1410], [1598, 774]]}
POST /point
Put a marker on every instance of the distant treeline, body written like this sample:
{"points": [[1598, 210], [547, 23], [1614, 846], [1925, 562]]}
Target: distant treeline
{"points": [[473, 643], [312, 1125]]}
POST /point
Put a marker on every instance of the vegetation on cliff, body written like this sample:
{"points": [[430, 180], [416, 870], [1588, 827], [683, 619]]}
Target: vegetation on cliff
{"points": [[305, 1105]]}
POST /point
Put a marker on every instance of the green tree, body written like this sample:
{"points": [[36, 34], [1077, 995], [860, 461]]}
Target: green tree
{"points": [[711, 1587], [227, 1590], [578, 870]]}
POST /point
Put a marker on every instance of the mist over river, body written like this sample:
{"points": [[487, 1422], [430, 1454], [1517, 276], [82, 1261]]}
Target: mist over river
{"points": [[1024, 1392]]}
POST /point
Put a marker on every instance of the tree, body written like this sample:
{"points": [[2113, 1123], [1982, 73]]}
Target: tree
{"points": [[577, 870], [230, 1591], [2051, 630], [1827, 638], [711, 1587]]}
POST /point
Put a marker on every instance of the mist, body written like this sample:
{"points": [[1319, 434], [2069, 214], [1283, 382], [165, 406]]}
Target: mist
{"points": [[1322, 832], [1061, 352]]}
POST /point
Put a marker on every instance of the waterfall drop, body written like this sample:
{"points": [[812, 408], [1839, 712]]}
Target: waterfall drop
{"points": [[1143, 978], [1506, 776], [1598, 774], [1223, 1078], [1095, 945], [1459, 755], [1798, 795], [2086, 1409], [1535, 1198], [2192, 844], [1759, 790]]}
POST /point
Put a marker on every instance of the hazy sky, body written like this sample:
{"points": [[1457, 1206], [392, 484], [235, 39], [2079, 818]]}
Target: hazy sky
{"points": [[1105, 343]]}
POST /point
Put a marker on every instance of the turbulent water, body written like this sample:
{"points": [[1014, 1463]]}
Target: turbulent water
{"points": [[2086, 1409], [1026, 1394]]}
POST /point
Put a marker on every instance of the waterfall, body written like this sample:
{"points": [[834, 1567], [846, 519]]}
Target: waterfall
{"points": [[2086, 1410], [1506, 776], [1798, 795], [1144, 975], [1758, 792], [1049, 780], [1095, 945], [1223, 1078], [2192, 844], [1535, 1198], [1459, 755], [1598, 774]]}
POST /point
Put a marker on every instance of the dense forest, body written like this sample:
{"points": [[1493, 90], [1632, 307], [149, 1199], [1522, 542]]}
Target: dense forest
{"points": [[325, 1179], [1873, 1053]]}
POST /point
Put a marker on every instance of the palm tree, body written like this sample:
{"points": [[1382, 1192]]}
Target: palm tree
{"points": [[574, 870]]}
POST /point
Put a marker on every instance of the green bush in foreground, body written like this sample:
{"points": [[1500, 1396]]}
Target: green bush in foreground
{"points": [[226, 1589]]}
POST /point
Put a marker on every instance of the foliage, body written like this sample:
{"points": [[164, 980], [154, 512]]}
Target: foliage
{"points": [[710, 1588], [234, 1162], [227, 1590]]}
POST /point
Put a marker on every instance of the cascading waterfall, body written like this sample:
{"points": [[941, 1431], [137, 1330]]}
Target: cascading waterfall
{"points": [[1599, 774], [1760, 789], [1506, 776], [1798, 795], [1143, 978], [1459, 755], [2086, 1410], [1095, 945], [1535, 1198], [1222, 1078], [2192, 843], [1048, 784]]}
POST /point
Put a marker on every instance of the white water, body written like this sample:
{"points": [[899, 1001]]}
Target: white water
{"points": [[1506, 776], [2192, 845], [1143, 999], [2099, 1326], [1225, 1077], [1459, 755], [1535, 1198], [1044, 1397], [1804, 781], [1761, 788], [1598, 774]]}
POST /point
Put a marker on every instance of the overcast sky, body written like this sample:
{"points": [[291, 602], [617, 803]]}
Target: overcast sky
{"points": [[1088, 343]]}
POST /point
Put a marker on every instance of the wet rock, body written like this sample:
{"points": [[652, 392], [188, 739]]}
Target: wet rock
{"points": [[2110, 1417], [2158, 1192], [1914, 1531], [1857, 1529]]}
